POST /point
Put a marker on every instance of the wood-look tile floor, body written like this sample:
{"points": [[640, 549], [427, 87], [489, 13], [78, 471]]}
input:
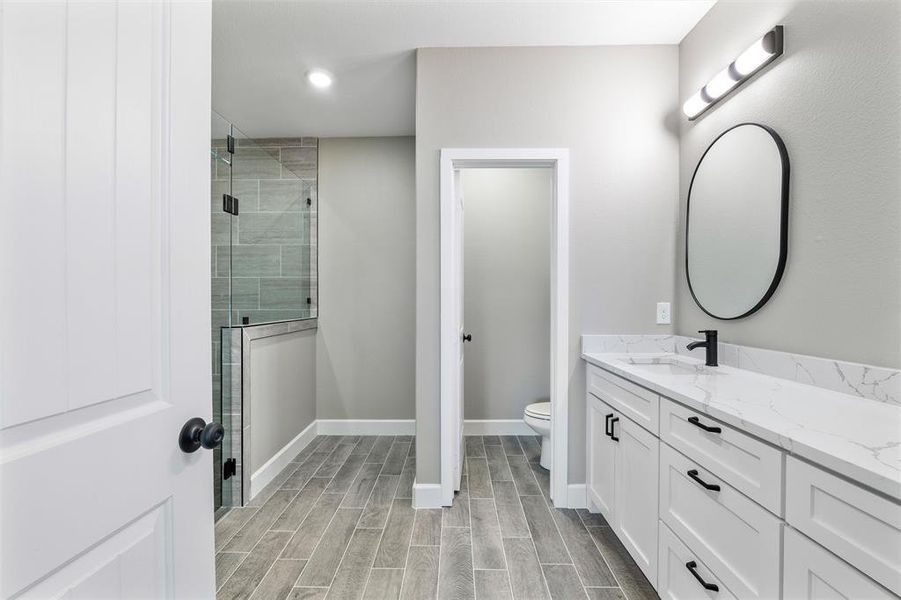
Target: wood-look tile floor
{"points": [[338, 523]]}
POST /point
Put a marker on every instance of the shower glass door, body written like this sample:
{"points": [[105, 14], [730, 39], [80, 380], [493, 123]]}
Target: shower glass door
{"points": [[263, 247], [222, 229]]}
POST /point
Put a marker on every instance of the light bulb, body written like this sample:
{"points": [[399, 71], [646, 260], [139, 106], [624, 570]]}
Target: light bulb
{"points": [[694, 105], [759, 52], [319, 78], [719, 85]]}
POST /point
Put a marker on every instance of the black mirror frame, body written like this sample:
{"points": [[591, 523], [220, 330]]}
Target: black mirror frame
{"points": [[783, 223]]}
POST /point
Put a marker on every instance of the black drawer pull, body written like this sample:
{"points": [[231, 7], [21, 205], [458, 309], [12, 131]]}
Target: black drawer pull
{"points": [[607, 431], [697, 422], [693, 566], [707, 486], [612, 423]]}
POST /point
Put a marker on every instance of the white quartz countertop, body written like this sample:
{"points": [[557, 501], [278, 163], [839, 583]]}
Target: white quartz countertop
{"points": [[855, 437]]}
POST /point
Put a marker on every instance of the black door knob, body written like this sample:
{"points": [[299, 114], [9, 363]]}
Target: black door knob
{"points": [[197, 432], [467, 337]]}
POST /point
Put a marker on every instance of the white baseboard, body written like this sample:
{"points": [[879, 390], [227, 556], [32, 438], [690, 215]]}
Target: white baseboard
{"points": [[496, 427], [427, 495], [366, 427], [282, 458], [576, 495]]}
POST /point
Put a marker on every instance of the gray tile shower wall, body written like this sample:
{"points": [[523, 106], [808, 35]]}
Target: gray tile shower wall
{"points": [[268, 250]]}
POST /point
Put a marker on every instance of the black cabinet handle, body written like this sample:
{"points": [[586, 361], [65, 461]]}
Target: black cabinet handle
{"points": [[697, 423], [612, 423], [607, 431], [467, 337], [707, 486], [693, 566]]}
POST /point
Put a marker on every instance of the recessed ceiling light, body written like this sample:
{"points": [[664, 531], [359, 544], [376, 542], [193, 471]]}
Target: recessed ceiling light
{"points": [[319, 78]]}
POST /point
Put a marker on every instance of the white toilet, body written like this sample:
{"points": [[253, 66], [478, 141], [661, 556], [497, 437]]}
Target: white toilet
{"points": [[538, 417]]}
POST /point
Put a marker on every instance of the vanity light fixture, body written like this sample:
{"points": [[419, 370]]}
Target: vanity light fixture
{"points": [[319, 78], [758, 55]]}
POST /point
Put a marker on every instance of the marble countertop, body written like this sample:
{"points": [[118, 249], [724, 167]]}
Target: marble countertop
{"points": [[858, 438]]}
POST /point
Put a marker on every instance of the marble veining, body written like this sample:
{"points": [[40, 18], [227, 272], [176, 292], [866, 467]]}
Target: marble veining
{"points": [[863, 381], [853, 436]]}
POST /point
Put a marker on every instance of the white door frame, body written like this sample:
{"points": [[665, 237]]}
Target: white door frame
{"points": [[475, 158]]}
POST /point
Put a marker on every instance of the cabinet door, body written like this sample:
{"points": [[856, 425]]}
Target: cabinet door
{"points": [[637, 456], [601, 459], [812, 573]]}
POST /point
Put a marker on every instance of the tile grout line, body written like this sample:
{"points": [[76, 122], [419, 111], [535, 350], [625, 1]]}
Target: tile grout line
{"points": [[472, 554], [322, 536], [248, 556], [257, 543], [360, 518], [551, 510], [604, 558], [497, 512], [289, 539], [547, 586], [278, 556], [409, 540], [503, 549]]}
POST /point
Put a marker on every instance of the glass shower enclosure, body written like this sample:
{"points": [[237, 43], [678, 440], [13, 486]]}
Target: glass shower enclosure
{"points": [[263, 265]]}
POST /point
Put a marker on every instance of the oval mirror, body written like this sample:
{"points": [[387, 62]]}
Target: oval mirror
{"points": [[736, 234]]}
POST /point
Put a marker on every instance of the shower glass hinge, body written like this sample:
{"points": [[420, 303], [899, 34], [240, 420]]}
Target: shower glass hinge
{"points": [[229, 204], [229, 468], [230, 144]]}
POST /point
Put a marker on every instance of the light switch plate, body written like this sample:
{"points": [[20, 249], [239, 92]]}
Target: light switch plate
{"points": [[664, 316]]}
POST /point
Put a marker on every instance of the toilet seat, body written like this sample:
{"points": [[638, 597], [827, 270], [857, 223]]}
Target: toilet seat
{"points": [[539, 410]]}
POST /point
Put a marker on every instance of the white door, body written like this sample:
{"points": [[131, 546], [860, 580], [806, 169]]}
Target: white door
{"points": [[636, 490], [458, 282], [601, 458], [104, 299]]}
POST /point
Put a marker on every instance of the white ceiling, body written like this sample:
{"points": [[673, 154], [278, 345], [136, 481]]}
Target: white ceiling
{"points": [[262, 50]]}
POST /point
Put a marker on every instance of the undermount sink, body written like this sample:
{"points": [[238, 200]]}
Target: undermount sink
{"points": [[664, 364]]}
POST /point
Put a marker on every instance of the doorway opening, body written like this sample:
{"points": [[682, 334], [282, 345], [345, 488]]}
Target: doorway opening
{"points": [[499, 400]]}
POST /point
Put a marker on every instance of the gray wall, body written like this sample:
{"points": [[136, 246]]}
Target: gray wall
{"points": [[833, 98], [614, 108], [506, 252], [282, 392], [366, 265]]}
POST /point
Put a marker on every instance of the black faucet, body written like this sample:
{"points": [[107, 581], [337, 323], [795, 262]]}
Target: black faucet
{"points": [[709, 344]]}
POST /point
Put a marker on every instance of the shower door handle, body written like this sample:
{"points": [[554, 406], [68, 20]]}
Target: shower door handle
{"points": [[197, 432]]}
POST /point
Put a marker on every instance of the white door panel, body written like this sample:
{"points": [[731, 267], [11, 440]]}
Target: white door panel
{"points": [[601, 458], [636, 493], [105, 348]]}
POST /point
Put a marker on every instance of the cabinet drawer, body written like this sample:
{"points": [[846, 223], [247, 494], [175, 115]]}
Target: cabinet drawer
{"points": [[736, 538], [746, 464], [857, 525], [633, 401], [812, 573], [675, 579]]}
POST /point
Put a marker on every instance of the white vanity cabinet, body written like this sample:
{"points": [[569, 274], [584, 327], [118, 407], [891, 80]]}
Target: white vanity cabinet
{"points": [[622, 481], [708, 510]]}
